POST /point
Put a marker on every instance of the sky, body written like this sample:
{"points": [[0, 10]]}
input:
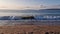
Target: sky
{"points": [[29, 4]]}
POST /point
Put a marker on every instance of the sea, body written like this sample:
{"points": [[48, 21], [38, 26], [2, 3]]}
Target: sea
{"points": [[49, 17]]}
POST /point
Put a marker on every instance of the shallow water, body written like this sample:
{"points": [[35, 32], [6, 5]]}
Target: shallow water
{"points": [[29, 22]]}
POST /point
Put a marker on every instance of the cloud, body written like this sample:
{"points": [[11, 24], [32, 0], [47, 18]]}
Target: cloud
{"points": [[53, 6], [27, 7], [19, 7], [32, 7]]}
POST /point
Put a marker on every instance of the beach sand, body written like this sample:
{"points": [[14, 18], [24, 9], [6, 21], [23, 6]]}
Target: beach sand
{"points": [[29, 29]]}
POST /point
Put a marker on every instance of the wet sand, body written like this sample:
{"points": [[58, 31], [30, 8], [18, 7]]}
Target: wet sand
{"points": [[30, 27]]}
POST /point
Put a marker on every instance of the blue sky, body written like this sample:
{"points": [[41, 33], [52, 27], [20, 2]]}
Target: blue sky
{"points": [[20, 4]]}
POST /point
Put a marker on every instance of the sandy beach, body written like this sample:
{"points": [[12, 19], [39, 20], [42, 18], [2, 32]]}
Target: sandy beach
{"points": [[29, 29]]}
